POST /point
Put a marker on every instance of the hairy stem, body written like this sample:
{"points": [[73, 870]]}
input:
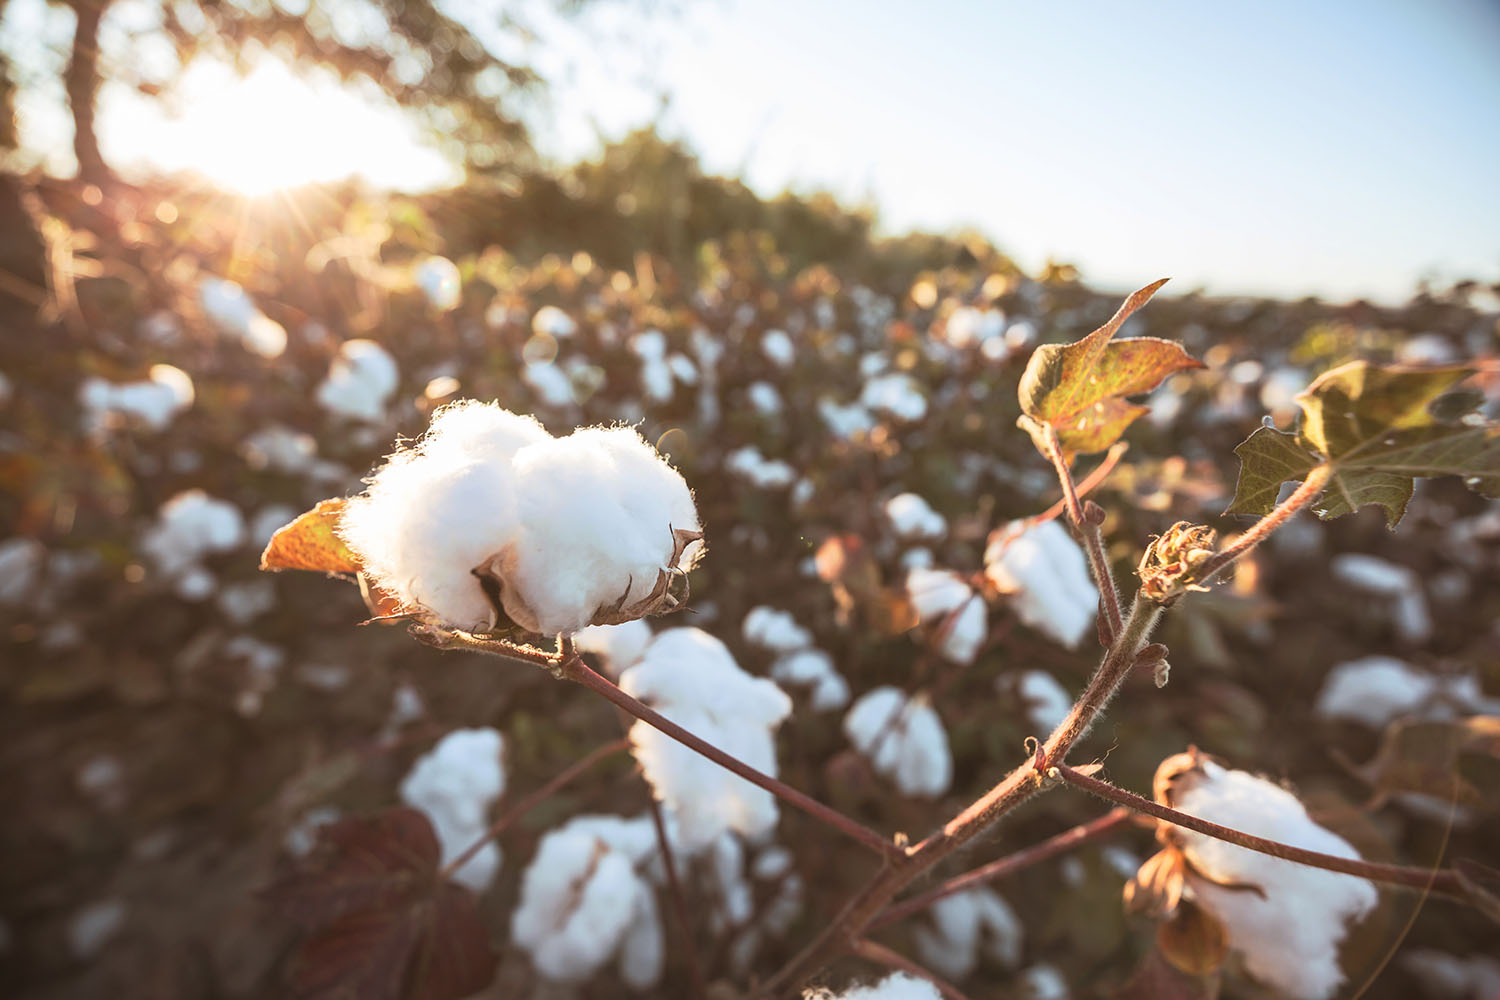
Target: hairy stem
{"points": [[881, 955], [1085, 833], [532, 801], [1258, 532], [1440, 880], [1088, 531], [1086, 486], [574, 669]]}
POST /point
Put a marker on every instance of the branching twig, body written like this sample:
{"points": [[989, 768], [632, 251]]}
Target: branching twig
{"points": [[1085, 833], [1088, 531], [882, 955], [1440, 880], [1087, 484]]}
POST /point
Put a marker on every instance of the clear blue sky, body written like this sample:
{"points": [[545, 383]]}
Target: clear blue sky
{"points": [[1289, 147]]}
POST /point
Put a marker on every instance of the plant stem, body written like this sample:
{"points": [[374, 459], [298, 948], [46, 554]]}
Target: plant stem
{"points": [[532, 801], [1093, 540], [1439, 880], [1087, 484], [1258, 532], [574, 669], [679, 904], [1085, 833], [882, 955]]}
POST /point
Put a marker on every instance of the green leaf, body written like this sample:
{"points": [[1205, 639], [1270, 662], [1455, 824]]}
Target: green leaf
{"points": [[1268, 458], [1078, 388], [1377, 429]]}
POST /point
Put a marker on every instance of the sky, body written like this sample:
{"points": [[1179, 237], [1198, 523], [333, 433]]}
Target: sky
{"points": [[1338, 149]]}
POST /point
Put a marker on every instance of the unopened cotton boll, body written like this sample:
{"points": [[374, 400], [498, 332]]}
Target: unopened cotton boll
{"points": [[904, 740], [690, 677], [1047, 577], [1289, 932], [585, 529]]}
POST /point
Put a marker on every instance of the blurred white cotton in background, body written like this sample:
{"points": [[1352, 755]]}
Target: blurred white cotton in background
{"points": [[231, 310], [898, 986], [1046, 576], [360, 381], [440, 282], [553, 322], [1400, 586], [814, 669], [962, 927], [895, 394], [778, 347], [189, 527], [618, 646], [904, 740], [455, 783], [153, 401], [1377, 689], [912, 518], [766, 626], [749, 464], [1047, 702], [92, 927]]}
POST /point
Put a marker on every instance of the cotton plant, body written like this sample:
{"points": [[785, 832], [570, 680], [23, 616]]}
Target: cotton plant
{"points": [[944, 601], [904, 739], [455, 784]]}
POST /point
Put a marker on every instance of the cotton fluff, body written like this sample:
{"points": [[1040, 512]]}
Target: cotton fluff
{"points": [[764, 398], [619, 646], [912, 518], [656, 374], [749, 464], [230, 309], [965, 633], [813, 668], [1397, 584], [964, 926], [778, 348], [455, 783], [895, 394], [904, 740], [691, 678], [1376, 689], [440, 282], [1047, 702], [845, 421], [935, 592], [189, 527], [583, 902], [153, 401], [1289, 936], [1047, 577], [773, 629], [900, 986], [570, 527], [360, 381]]}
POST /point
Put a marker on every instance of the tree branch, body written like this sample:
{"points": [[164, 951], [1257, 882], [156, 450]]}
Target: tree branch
{"points": [[1440, 880]]}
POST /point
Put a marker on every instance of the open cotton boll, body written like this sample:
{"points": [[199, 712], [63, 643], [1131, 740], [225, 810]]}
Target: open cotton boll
{"points": [[967, 632], [896, 395], [1047, 577], [778, 348], [1398, 584], [765, 398], [904, 740], [813, 668], [360, 381], [963, 926], [912, 518], [1047, 702], [455, 783], [190, 526], [619, 646], [749, 464], [1289, 935], [1376, 689], [230, 309], [691, 678], [899, 986], [845, 422], [967, 327], [935, 592], [1043, 982], [1449, 977], [583, 902], [439, 280], [550, 382], [153, 401], [773, 629]]}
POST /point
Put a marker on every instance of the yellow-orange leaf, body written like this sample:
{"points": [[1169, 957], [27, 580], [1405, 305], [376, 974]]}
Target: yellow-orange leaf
{"points": [[310, 542]]}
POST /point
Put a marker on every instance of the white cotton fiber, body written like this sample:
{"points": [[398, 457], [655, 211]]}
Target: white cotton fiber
{"points": [[440, 282], [1047, 577], [900, 986], [1400, 586], [935, 592], [773, 629], [189, 527], [153, 401], [812, 668], [1289, 936], [360, 381], [455, 783], [691, 678], [967, 632], [619, 646], [231, 310], [912, 518], [1047, 702], [904, 740], [965, 926], [896, 395], [571, 528]]}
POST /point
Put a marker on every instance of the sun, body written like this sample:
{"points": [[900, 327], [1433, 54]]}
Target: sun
{"points": [[273, 129]]}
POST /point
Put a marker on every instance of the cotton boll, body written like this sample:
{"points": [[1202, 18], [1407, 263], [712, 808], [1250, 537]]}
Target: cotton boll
{"points": [[1377, 689], [967, 632], [895, 394], [439, 280], [1047, 702], [691, 678], [643, 948], [845, 422], [360, 382], [749, 464], [912, 518], [469, 430], [935, 592], [904, 739], [553, 322], [619, 646], [550, 382], [773, 629], [813, 668], [152, 402], [1289, 935], [765, 399], [230, 309], [1047, 577], [1043, 982], [21, 562], [966, 924], [1399, 585], [778, 348], [1448, 977], [190, 526], [899, 986], [455, 784]]}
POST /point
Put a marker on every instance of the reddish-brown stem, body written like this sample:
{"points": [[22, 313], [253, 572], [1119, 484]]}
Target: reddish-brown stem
{"points": [[532, 801], [679, 904], [574, 669], [1093, 540], [881, 955], [1258, 532], [1085, 833], [1427, 879], [1087, 484]]}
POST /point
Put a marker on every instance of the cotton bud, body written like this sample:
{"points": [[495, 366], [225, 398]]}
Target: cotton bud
{"points": [[1170, 566]]}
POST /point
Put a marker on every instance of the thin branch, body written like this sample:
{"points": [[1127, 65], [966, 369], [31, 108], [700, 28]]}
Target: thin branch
{"points": [[532, 801], [574, 669], [1088, 530], [881, 955], [1258, 532], [679, 903], [1087, 484], [1439, 880], [1085, 833]]}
